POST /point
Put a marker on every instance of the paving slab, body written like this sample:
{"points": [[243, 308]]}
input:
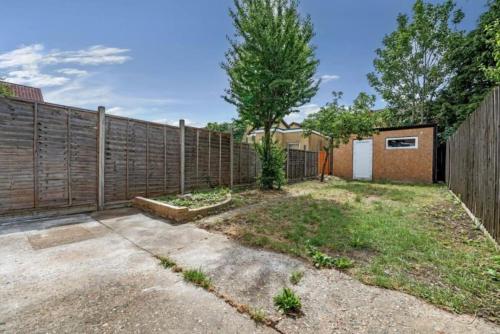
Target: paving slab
{"points": [[332, 301], [85, 278]]}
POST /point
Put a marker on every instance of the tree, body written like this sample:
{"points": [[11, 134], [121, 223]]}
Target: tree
{"points": [[339, 122], [414, 63], [5, 90], [493, 72], [239, 128], [469, 84], [271, 67]]}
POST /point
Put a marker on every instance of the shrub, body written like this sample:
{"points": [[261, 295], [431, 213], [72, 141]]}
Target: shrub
{"points": [[198, 277], [287, 301], [296, 276], [273, 172]]}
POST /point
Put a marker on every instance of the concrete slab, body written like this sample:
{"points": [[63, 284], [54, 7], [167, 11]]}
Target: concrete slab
{"points": [[102, 284], [332, 301]]}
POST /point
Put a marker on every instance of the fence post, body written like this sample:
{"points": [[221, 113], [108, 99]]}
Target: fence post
{"points": [[305, 164], [35, 155], [231, 158], [102, 141], [182, 158], [288, 162]]}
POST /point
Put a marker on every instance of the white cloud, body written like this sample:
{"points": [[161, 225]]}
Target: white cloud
{"points": [[73, 72], [31, 65], [303, 112], [329, 77]]}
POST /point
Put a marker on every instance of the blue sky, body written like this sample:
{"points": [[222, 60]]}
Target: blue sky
{"points": [[159, 60]]}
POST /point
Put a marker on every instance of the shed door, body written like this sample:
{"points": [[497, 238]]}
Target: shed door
{"points": [[362, 159]]}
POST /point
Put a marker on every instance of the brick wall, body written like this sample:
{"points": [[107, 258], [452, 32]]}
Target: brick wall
{"points": [[407, 165]]}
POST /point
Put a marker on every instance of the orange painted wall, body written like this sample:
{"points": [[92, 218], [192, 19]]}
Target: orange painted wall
{"points": [[406, 165]]}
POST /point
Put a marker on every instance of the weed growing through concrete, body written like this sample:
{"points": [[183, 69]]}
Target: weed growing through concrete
{"points": [[321, 260], [296, 276], [165, 262], [288, 302], [198, 277], [258, 315]]}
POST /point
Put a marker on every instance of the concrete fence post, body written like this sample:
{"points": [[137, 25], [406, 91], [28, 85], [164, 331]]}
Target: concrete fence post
{"points": [[182, 153], [101, 111]]}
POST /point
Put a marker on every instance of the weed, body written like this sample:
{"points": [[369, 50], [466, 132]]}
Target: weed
{"points": [[287, 301], [296, 276], [358, 199], [198, 277], [165, 262], [343, 263], [258, 315], [197, 199]]}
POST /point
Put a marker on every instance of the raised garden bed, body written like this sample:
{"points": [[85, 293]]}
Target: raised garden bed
{"points": [[184, 208]]}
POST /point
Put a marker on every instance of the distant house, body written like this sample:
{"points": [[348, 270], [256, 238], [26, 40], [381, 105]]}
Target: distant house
{"points": [[292, 136], [24, 92]]}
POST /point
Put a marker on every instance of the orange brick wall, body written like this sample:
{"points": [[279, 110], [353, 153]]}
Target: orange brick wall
{"points": [[411, 165]]}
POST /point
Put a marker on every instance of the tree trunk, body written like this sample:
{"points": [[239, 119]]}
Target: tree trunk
{"points": [[327, 157], [267, 143]]}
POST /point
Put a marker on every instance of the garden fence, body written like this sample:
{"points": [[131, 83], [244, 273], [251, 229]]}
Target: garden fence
{"points": [[473, 163], [73, 159]]}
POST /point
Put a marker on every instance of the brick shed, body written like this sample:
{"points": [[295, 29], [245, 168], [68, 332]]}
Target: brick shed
{"points": [[405, 154]]}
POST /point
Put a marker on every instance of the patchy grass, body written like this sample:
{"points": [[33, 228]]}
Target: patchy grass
{"points": [[197, 277], [288, 302], [296, 277], [411, 238], [166, 262], [197, 199]]}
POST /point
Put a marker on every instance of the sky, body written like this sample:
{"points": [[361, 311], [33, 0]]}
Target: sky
{"points": [[159, 60]]}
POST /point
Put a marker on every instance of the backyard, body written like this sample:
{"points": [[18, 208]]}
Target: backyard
{"points": [[412, 238]]}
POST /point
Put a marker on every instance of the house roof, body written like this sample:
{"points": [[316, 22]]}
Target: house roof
{"points": [[24, 92]]}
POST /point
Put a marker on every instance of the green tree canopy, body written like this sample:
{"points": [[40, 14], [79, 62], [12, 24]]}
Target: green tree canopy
{"points": [[271, 66], [239, 128], [414, 63], [339, 122], [470, 83]]}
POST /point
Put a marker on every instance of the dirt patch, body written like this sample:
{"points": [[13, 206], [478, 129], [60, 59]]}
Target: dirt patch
{"points": [[57, 237]]}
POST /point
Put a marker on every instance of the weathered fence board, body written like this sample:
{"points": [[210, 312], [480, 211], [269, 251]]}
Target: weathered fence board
{"points": [[50, 158], [473, 166]]}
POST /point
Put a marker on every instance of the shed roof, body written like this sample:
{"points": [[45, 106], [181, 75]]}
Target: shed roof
{"points": [[24, 92]]}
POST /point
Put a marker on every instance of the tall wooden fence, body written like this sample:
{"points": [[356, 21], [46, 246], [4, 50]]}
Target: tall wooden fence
{"points": [[301, 165], [473, 163], [59, 157]]}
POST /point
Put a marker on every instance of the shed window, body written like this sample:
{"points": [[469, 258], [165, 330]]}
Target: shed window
{"points": [[294, 146], [401, 143]]}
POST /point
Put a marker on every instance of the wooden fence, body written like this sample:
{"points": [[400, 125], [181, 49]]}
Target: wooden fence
{"points": [[60, 157], [473, 163], [301, 165]]}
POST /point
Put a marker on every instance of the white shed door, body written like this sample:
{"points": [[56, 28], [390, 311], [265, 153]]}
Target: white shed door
{"points": [[362, 159]]}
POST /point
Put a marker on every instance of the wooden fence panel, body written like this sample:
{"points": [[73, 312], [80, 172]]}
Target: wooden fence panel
{"points": [[83, 157], [115, 170], [16, 155], [473, 163], [156, 160], [137, 159]]}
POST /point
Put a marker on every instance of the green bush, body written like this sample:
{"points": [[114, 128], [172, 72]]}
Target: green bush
{"points": [[287, 301], [273, 166]]}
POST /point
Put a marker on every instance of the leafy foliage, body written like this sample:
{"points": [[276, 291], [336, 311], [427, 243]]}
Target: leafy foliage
{"points": [[5, 90], [239, 128], [321, 260], [287, 301], [469, 84], [493, 31], [271, 66], [339, 122], [414, 64], [273, 161]]}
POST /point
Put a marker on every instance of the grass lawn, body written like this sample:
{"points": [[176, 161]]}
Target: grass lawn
{"points": [[412, 238]]}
